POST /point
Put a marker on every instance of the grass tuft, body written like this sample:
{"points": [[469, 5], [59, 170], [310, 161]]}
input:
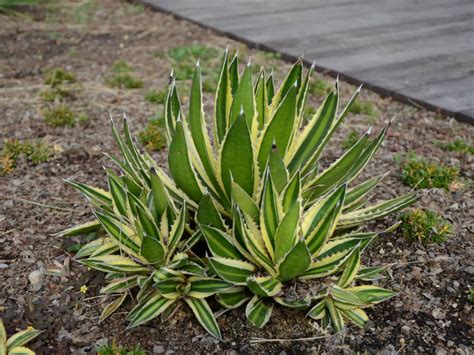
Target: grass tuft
{"points": [[59, 116], [423, 174], [122, 76], [114, 349], [425, 226], [192, 53], [350, 140], [154, 96], [34, 151], [58, 76], [361, 107], [153, 135], [320, 87], [458, 145]]}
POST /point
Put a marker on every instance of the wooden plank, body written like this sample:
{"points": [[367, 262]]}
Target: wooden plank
{"points": [[415, 50]]}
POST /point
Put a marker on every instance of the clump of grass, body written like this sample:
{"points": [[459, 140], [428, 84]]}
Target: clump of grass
{"points": [[458, 145], [210, 82], [193, 52], [425, 226], [59, 116], [34, 151], [185, 57], [58, 76], [361, 107], [350, 140], [423, 174], [320, 87], [308, 113], [122, 76], [114, 349], [154, 96], [56, 93], [153, 135]]}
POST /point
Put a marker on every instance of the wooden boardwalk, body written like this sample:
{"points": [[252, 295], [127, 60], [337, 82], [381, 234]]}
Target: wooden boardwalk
{"points": [[418, 51]]}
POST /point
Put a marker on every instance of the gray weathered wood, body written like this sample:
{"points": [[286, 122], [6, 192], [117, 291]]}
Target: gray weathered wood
{"points": [[417, 51]]}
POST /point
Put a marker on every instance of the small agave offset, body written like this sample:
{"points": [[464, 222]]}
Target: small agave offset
{"points": [[253, 190]]}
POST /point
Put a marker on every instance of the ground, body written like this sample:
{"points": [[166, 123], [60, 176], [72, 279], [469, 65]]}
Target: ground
{"points": [[41, 282]]}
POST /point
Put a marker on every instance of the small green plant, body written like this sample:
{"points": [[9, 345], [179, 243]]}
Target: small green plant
{"points": [[350, 140], [154, 96], [470, 297], [425, 226], [15, 344], [114, 349], [11, 7], [361, 107], [59, 116], [13, 149], [308, 113], [84, 12], [191, 53], [184, 58], [320, 87], [423, 174], [122, 76], [58, 76], [56, 93], [153, 136], [247, 184], [458, 145]]}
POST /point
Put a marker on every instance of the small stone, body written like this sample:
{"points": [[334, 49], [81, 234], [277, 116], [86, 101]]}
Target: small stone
{"points": [[3, 266], [36, 278], [158, 349], [406, 330]]}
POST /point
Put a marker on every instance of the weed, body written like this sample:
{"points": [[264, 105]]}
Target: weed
{"points": [[85, 12], [134, 9], [271, 55], [308, 113], [57, 76], [185, 58], [458, 145], [320, 87], [56, 93], [360, 107], [114, 349], [153, 135], [59, 116], [425, 226], [471, 296], [83, 118], [423, 174], [350, 140], [154, 96], [192, 53], [122, 77], [210, 83], [13, 149]]}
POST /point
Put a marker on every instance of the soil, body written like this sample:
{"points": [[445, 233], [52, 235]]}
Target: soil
{"points": [[431, 314]]}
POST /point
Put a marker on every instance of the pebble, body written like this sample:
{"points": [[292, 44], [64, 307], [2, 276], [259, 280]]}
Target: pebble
{"points": [[158, 349], [406, 330], [36, 279], [3, 266]]}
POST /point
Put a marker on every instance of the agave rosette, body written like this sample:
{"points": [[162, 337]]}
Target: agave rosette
{"points": [[252, 185]]}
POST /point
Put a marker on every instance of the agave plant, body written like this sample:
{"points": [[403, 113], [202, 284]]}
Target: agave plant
{"points": [[145, 245], [14, 345], [253, 186], [290, 219]]}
